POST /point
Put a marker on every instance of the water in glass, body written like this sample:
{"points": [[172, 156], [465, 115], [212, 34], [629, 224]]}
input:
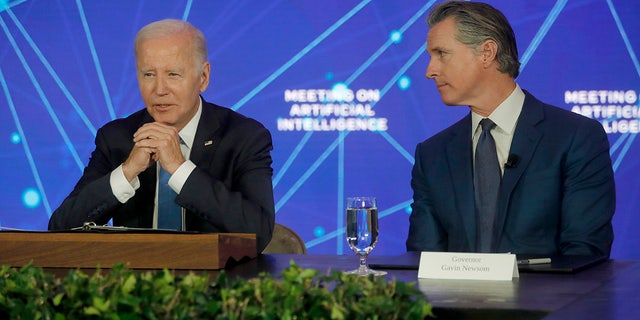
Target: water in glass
{"points": [[362, 230]]}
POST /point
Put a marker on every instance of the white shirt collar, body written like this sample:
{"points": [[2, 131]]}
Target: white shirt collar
{"points": [[188, 133], [505, 116]]}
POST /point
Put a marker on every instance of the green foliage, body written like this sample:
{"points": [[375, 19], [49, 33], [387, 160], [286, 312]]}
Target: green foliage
{"points": [[120, 293]]}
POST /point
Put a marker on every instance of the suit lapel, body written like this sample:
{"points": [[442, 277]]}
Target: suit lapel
{"points": [[204, 142], [459, 157], [525, 142]]}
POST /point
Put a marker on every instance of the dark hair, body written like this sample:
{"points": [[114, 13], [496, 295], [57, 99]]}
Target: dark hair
{"points": [[477, 22]]}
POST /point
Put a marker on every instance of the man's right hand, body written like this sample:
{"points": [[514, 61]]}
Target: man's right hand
{"points": [[139, 160], [153, 142]]}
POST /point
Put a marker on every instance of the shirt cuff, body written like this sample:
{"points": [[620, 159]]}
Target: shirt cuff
{"points": [[180, 176], [122, 189]]}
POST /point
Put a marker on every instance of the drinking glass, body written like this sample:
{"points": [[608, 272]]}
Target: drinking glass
{"points": [[362, 231]]}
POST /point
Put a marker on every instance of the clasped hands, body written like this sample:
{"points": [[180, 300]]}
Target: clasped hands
{"points": [[154, 142]]}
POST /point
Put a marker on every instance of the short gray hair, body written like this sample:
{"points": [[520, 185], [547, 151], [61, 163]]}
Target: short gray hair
{"points": [[477, 22], [168, 27]]}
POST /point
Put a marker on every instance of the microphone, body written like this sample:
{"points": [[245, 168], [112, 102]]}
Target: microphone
{"points": [[512, 161]]}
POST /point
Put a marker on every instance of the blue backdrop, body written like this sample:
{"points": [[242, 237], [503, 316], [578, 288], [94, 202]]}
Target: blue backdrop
{"points": [[340, 84]]}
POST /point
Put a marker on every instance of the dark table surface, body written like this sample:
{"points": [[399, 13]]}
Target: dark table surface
{"points": [[608, 290]]}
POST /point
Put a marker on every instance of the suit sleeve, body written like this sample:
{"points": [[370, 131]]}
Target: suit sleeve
{"points": [[589, 194], [245, 203], [425, 231], [92, 198]]}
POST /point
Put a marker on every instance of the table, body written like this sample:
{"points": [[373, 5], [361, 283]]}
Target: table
{"points": [[610, 290]]}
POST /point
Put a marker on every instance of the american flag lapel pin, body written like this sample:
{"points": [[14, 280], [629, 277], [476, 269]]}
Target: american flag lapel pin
{"points": [[208, 143]]}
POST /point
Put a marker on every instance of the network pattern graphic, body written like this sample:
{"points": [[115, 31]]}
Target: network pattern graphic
{"points": [[65, 71]]}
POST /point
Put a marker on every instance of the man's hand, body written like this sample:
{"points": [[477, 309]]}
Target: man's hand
{"points": [[154, 142]]}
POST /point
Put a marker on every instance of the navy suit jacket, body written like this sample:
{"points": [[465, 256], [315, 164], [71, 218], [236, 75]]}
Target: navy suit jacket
{"points": [[229, 191], [558, 198]]}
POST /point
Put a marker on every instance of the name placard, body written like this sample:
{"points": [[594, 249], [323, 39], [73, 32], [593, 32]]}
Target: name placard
{"points": [[469, 266]]}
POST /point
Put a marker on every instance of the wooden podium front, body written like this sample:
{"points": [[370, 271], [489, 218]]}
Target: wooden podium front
{"points": [[76, 249]]}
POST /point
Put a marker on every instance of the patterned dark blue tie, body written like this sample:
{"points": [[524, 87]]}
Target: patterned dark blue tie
{"points": [[169, 212], [486, 180]]}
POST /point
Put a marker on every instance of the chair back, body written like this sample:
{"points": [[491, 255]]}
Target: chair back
{"points": [[285, 240]]}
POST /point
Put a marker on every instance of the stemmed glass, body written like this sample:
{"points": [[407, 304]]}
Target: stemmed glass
{"points": [[362, 231]]}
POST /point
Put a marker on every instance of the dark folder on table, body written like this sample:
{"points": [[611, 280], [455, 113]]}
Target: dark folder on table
{"points": [[563, 264], [559, 264]]}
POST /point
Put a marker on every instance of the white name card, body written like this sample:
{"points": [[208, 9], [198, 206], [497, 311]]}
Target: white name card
{"points": [[468, 266]]}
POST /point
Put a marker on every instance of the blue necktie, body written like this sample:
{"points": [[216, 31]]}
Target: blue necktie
{"points": [[169, 212], [486, 180]]}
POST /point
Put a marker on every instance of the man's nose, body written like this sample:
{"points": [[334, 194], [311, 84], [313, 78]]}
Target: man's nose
{"points": [[431, 70], [160, 86]]}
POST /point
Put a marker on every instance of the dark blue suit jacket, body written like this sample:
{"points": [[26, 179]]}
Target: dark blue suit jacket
{"points": [[559, 198], [229, 191]]}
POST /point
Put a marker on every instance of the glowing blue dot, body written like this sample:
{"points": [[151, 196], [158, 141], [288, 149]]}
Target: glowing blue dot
{"points": [[395, 36], [341, 92], [31, 198], [329, 76], [339, 86], [318, 231], [408, 209], [15, 138], [404, 82]]}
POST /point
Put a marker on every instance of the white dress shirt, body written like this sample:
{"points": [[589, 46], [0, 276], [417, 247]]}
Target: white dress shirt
{"points": [[124, 190], [505, 116]]}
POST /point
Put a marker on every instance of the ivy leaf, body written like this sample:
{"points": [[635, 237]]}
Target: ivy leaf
{"points": [[56, 300], [129, 284], [100, 304]]}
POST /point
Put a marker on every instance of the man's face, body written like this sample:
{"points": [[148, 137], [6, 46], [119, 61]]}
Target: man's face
{"points": [[169, 79], [456, 69]]}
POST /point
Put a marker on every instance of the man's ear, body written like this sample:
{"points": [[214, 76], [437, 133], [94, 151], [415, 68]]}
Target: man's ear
{"points": [[488, 50], [205, 76]]}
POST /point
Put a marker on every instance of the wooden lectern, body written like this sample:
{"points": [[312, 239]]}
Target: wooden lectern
{"points": [[77, 249]]}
